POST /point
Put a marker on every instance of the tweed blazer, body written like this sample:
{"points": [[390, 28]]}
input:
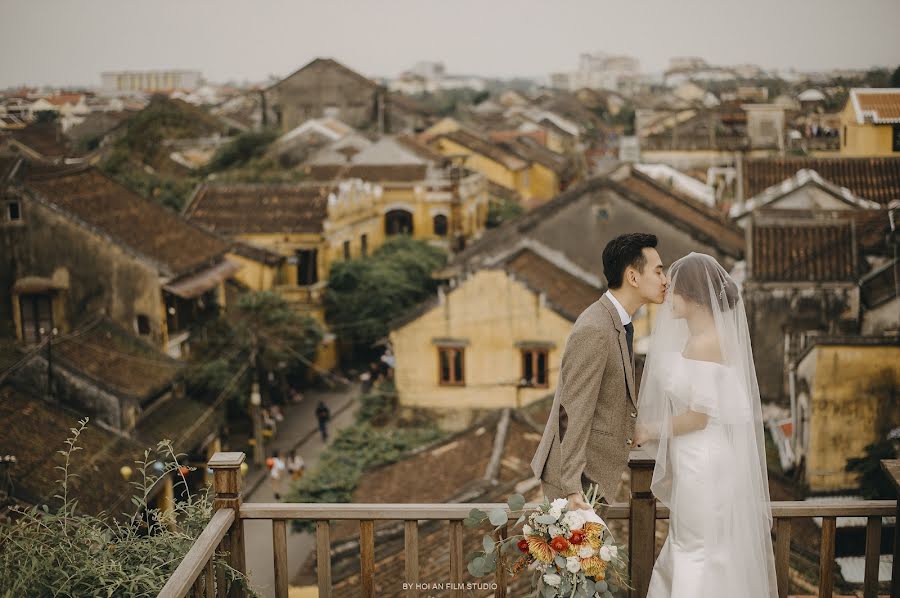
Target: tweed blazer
{"points": [[590, 431]]}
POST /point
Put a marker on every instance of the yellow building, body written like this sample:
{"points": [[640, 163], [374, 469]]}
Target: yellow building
{"points": [[495, 339], [423, 194], [870, 123], [843, 399], [500, 166]]}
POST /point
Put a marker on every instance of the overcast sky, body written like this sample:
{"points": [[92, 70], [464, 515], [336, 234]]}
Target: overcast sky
{"points": [[66, 42]]}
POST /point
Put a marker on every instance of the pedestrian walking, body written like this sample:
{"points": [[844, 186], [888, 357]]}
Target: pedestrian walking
{"points": [[276, 472], [323, 414], [295, 465]]}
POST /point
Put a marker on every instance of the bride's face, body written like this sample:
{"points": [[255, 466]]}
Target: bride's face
{"points": [[679, 306]]}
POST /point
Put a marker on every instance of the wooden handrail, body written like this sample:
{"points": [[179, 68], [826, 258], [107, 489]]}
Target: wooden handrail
{"points": [[199, 555]]}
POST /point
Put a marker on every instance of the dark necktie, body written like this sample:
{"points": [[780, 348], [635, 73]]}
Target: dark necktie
{"points": [[629, 338]]}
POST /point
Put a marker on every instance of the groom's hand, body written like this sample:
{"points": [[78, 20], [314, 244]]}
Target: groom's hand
{"points": [[577, 502]]}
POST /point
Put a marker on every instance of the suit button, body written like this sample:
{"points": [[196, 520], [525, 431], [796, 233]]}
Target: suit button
{"points": [[633, 414], [629, 442]]}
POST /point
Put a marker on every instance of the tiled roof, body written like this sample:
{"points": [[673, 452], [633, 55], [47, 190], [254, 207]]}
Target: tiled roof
{"points": [[802, 250], [880, 106], [34, 430], [257, 253], [117, 361], [531, 150], [187, 423], [485, 148], [700, 220], [566, 293], [457, 463], [876, 179], [8, 164], [62, 99], [141, 225], [260, 208], [43, 138], [880, 285]]}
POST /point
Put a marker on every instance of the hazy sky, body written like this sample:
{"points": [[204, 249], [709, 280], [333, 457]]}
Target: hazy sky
{"points": [[62, 42]]}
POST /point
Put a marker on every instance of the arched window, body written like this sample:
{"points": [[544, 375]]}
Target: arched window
{"points": [[398, 222], [440, 225]]}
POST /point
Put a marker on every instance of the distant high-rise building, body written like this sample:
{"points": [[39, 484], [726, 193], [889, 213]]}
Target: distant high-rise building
{"points": [[138, 81]]}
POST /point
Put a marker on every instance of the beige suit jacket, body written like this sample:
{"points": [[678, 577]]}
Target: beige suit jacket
{"points": [[589, 433]]}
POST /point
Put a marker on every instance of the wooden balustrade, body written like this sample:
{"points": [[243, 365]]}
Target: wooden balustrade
{"points": [[194, 575]]}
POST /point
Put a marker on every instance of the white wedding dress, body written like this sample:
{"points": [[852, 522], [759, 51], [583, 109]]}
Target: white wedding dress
{"points": [[703, 554]]}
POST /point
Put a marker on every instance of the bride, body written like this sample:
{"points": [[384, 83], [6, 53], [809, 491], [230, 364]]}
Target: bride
{"points": [[700, 415]]}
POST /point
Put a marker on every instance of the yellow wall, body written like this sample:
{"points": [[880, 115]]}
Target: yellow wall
{"points": [[494, 313], [253, 274], [494, 171], [864, 139], [844, 399], [543, 182]]}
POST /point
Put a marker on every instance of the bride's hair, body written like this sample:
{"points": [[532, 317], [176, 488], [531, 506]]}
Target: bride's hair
{"points": [[695, 275]]}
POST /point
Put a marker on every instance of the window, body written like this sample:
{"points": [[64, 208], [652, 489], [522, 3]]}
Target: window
{"points": [[845, 135], [37, 317], [450, 365], [440, 225], [307, 268], [896, 144], [534, 368], [364, 245], [398, 222], [346, 250], [13, 211], [143, 324]]}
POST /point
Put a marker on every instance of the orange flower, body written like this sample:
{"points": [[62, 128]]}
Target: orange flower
{"points": [[539, 549], [559, 544], [577, 537]]}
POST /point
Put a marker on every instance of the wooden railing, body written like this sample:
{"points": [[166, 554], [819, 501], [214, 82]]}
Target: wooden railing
{"points": [[224, 534]]}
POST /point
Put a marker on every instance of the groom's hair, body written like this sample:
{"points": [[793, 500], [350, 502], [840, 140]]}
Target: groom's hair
{"points": [[622, 252]]}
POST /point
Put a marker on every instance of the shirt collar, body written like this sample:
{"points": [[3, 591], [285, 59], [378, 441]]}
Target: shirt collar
{"points": [[623, 315]]}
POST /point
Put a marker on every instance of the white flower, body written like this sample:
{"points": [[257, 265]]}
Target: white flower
{"points": [[552, 579], [605, 553], [554, 531], [585, 552], [614, 551], [573, 565], [556, 513], [559, 503], [590, 515], [574, 520], [527, 529]]}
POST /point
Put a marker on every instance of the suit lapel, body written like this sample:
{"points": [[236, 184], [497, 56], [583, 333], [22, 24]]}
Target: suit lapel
{"points": [[627, 361]]}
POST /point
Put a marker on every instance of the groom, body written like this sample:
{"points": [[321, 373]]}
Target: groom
{"points": [[590, 430]]}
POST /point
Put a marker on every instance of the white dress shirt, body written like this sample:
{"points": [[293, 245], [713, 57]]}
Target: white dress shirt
{"points": [[622, 313]]}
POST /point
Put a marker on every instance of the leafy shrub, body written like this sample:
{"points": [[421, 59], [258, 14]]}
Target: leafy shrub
{"points": [[64, 553]]}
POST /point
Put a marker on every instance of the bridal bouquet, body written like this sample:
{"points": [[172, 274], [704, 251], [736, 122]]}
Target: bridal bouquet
{"points": [[571, 554]]}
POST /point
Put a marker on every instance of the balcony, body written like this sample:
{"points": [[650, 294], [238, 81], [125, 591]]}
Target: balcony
{"points": [[225, 534]]}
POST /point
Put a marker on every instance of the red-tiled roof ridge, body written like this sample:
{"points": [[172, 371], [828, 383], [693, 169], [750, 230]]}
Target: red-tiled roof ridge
{"points": [[881, 105], [682, 210], [803, 177], [485, 147], [873, 178]]}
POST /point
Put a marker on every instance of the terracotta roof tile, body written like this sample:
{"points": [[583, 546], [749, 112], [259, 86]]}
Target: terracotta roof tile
{"points": [[117, 361], [44, 138], [881, 105], [568, 294], [876, 179], [260, 208], [485, 148], [701, 220], [803, 250], [142, 225], [98, 485], [372, 173]]}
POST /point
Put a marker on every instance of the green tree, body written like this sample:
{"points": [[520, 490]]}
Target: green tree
{"points": [[364, 295], [895, 77], [501, 211], [241, 150], [873, 482], [261, 336]]}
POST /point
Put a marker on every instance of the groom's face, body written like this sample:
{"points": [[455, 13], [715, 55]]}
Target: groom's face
{"points": [[652, 282]]}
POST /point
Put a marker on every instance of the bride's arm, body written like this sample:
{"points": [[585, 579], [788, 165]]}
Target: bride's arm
{"points": [[690, 421]]}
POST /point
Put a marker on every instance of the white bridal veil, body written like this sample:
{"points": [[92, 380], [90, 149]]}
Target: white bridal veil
{"points": [[704, 423]]}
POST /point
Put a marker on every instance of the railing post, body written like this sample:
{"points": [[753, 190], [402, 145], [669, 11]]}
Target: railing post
{"points": [[227, 484], [892, 468], [641, 525]]}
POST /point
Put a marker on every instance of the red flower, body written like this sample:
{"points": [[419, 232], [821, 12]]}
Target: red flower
{"points": [[577, 537], [559, 544], [523, 545]]}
